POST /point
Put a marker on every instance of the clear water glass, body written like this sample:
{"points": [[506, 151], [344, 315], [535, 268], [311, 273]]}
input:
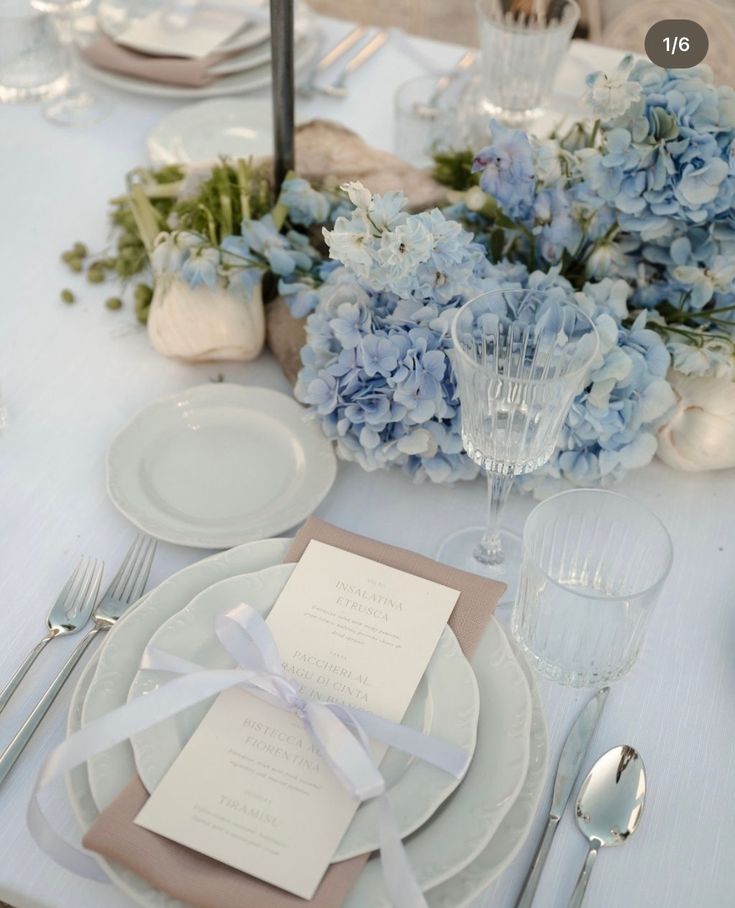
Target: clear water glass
{"points": [[31, 56], [521, 56], [594, 563], [78, 104], [519, 357], [425, 122]]}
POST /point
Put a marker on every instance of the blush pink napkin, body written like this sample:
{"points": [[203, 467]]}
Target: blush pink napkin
{"points": [[205, 883], [104, 53]]}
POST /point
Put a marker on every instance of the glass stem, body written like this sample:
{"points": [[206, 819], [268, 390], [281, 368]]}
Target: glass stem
{"points": [[489, 550], [66, 33]]}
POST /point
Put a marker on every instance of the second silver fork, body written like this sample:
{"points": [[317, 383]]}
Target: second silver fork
{"points": [[68, 615], [125, 589]]}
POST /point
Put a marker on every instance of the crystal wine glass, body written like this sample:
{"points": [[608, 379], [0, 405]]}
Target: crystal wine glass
{"points": [[522, 52], [520, 357], [77, 105]]}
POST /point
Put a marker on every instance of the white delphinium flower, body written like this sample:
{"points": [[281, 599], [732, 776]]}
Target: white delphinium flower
{"points": [[610, 97]]}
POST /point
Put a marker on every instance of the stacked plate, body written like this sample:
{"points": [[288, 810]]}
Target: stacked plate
{"points": [[463, 834], [241, 62]]}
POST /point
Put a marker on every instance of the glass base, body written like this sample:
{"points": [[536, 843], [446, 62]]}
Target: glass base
{"points": [[77, 107], [459, 548], [515, 118]]}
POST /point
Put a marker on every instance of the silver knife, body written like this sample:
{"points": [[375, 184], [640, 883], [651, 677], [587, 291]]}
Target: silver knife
{"points": [[570, 762]]}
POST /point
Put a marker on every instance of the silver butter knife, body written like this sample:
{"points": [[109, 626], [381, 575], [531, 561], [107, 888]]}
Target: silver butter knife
{"points": [[570, 762]]}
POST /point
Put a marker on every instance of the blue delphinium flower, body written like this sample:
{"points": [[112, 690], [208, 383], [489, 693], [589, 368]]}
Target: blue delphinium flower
{"points": [[263, 239], [507, 171], [201, 266]]}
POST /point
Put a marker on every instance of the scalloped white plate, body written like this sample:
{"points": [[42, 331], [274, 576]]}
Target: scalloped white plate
{"points": [[113, 16], [484, 799], [464, 887], [456, 892], [219, 465], [119, 655], [257, 78], [446, 704], [465, 823], [201, 132]]}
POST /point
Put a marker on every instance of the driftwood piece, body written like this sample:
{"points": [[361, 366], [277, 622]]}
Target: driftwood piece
{"points": [[329, 151], [285, 336], [326, 151]]}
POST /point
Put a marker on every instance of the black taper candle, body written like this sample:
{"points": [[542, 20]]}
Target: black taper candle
{"points": [[282, 87]]}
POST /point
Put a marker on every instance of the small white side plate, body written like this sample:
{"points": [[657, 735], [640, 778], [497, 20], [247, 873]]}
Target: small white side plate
{"points": [[198, 133], [219, 465]]}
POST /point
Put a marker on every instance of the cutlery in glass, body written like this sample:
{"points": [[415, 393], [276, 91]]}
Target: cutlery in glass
{"points": [[125, 589], [570, 762], [521, 56], [609, 807], [341, 47], [338, 88], [68, 615], [445, 81]]}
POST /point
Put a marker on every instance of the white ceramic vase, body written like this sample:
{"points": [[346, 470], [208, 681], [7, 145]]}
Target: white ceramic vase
{"points": [[700, 433], [204, 324]]}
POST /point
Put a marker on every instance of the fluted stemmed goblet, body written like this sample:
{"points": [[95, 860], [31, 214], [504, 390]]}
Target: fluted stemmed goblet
{"points": [[519, 357], [77, 104]]}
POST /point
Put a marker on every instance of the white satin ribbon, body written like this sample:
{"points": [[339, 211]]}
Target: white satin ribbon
{"points": [[341, 733]]}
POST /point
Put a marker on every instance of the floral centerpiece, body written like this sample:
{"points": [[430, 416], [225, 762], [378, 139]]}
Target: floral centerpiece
{"points": [[633, 213], [630, 211]]}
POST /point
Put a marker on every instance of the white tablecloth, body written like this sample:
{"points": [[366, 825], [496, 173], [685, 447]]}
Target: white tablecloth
{"points": [[71, 376]]}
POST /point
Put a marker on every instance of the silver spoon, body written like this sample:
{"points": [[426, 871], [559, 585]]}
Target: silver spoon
{"points": [[609, 807]]}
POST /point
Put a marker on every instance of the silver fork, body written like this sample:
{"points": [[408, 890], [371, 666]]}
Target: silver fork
{"points": [[68, 615], [126, 588]]}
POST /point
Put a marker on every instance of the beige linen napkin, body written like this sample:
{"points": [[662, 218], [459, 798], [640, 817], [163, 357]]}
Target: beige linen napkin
{"points": [[205, 883], [104, 53]]}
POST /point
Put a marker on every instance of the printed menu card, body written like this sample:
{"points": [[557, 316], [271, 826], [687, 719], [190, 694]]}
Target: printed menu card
{"points": [[250, 789]]}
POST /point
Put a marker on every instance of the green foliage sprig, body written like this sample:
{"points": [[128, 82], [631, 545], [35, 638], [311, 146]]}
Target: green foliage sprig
{"points": [[153, 203]]}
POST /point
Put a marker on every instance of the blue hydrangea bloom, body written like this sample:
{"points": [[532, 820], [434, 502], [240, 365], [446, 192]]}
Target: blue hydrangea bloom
{"points": [[305, 205]]}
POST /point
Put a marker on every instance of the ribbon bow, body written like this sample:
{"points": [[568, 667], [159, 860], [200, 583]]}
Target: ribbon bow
{"points": [[341, 734]]}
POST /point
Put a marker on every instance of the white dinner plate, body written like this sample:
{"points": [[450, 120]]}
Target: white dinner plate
{"points": [[120, 652], [256, 56], [456, 892], [467, 821], [486, 796], [464, 887], [219, 465], [240, 83], [196, 133], [115, 15], [446, 704]]}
